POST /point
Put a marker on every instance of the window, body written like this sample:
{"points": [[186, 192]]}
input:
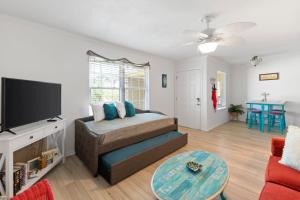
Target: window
{"points": [[111, 81], [221, 89]]}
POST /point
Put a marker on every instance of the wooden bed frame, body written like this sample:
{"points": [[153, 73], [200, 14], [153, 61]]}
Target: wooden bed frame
{"points": [[88, 149]]}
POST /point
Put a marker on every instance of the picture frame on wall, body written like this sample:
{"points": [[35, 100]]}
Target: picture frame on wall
{"points": [[268, 76], [164, 80]]}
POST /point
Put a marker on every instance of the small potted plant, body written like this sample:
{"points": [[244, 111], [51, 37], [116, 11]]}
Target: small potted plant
{"points": [[235, 111]]}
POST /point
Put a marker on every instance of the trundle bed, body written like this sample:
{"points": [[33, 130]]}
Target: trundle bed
{"points": [[118, 148]]}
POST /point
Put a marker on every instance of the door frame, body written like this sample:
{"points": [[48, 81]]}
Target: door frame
{"points": [[201, 93]]}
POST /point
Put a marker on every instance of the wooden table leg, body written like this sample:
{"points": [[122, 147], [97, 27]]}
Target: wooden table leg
{"points": [[222, 196]]}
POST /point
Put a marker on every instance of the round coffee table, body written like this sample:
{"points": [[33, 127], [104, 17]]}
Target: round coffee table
{"points": [[172, 180]]}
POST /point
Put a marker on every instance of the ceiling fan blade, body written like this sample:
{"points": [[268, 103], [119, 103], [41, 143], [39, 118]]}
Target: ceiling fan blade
{"points": [[232, 41], [195, 34], [190, 43], [237, 27]]}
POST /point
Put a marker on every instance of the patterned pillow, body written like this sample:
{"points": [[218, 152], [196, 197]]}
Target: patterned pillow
{"points": [[291, 150]]}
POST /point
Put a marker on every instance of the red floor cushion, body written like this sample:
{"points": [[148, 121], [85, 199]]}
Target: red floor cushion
{"points": [[272, 191], [281, 174]]}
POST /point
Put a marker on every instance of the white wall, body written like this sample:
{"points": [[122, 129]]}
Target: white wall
{"points": [[220, 116], [238, 87], [209, 66], [37, 52], [246, 85]]}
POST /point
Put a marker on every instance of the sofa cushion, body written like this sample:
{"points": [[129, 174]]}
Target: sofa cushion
{"points": [[281, 174], [272, 191], [277, 146], [119, 155]]}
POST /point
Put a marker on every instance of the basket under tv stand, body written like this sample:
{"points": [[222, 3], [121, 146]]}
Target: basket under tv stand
{"points": [[27, 135]]}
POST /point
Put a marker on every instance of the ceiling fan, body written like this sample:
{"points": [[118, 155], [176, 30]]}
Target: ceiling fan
{"points": [[210, 38]]}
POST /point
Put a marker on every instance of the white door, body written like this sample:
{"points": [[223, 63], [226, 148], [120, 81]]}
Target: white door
{"points": [[188, 101]]}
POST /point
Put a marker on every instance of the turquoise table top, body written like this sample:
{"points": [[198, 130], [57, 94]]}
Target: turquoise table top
{"points": [[172, 180], [266, 102]]}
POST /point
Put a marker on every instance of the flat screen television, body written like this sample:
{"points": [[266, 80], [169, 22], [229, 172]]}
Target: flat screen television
{"points": [[24, 102]]}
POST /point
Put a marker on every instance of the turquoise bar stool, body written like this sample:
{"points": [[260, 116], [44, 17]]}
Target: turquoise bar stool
{"points": [[277, 120], [249, 109], [248, 114], [256, 118]]}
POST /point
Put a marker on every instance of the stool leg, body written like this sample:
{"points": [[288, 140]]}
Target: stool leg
{"points": [[262, 122], [281, 124], [251, 120], [263, 118], [284, 122], [269, 122], [259, 121]]}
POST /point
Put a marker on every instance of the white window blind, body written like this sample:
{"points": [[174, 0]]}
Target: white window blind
{"points": [[109, 81]]}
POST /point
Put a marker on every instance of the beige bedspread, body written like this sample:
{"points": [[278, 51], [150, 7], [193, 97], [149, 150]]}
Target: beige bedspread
{"points": [[117, 129]]}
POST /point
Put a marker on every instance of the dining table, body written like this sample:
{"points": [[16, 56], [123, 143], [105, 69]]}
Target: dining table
{"points": [[266, 107]]}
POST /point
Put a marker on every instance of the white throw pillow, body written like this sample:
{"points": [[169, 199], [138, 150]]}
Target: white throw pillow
{"points": [[98, 112], [121, 109], [291, 150]]}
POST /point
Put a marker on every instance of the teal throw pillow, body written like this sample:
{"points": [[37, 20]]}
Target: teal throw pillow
{"points": [[110, 111], [130, 109]]}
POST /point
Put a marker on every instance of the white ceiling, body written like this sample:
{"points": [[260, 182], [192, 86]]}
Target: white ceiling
{"points": [[156, 26]]}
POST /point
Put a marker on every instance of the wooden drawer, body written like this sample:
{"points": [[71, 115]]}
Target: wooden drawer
{"points": [[25, 140], [54, 128]]}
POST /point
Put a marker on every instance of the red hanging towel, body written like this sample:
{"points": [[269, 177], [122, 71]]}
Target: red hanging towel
{"points": [[214, 96]]}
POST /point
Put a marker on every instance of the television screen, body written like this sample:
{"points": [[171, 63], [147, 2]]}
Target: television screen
{"points": [[25, 102]]}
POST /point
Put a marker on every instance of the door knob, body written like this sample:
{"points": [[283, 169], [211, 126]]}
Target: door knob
{"points": [[198, 101]]}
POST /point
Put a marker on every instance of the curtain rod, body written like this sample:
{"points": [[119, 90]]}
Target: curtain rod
{"points": [[124, 60]]}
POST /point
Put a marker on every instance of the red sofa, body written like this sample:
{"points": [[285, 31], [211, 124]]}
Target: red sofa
{"points": [[282, 182]]}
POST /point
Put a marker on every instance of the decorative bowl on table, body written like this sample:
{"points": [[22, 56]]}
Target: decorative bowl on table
{"points": [[194, 166]]}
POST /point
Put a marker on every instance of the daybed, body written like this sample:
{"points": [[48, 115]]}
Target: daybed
{"points": [[120, 147]]}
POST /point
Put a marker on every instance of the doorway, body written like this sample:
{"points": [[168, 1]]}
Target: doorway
{"points": [[188, 98]]}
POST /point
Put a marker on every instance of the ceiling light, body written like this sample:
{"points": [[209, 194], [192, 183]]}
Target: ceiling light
{"points": [[255, 60], [208, 47]]}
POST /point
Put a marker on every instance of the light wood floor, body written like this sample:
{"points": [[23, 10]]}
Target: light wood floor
{"points": [[245, 151]]}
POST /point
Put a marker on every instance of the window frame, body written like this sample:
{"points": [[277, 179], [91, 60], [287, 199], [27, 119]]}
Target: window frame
{"points": [[223, 95], [122, 84]]}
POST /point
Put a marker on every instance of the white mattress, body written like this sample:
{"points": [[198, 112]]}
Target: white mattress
{"points": [[111, 130]]}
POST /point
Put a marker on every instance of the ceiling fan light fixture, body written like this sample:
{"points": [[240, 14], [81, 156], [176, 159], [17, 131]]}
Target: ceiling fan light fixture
{"points": [[208, 47]]}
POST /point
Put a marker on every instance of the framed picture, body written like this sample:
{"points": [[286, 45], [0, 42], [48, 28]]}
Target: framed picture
{"points": [[33, 167], [269, 76], [164, 80], [47, 157]]}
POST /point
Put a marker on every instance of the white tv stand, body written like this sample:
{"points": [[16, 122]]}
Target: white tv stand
{"points": [[25, 136]]}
